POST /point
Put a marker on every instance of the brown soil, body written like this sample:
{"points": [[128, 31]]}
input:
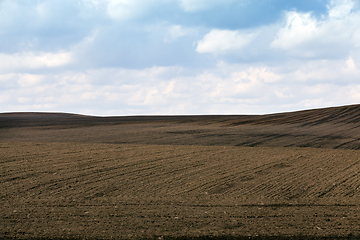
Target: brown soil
{"points": [[80, 177]]}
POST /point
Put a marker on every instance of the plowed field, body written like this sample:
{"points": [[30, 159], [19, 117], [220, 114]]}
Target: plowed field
{"points": [[103, 181]]}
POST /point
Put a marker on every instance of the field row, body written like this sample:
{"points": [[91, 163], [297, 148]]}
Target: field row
{"points": [[86, 171], [71, 189]]}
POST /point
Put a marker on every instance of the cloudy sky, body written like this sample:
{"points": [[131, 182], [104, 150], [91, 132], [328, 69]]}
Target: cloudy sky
{"points": [[136, 57]]}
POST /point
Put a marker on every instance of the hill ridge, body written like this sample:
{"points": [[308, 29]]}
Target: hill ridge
{"points": [[341, 114], [335, 127]]}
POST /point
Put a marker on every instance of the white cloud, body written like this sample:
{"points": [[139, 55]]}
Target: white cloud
{"points": [[284, 92], [300, 28], [199, 5], [312, 75], [250, 83], [308, 37], [222, 41], [26, 80], [24, 100], [224, 89], [175, 32], [95, 3], [340, 8], [30, 60], [123, 10], [342, 71], [264, 74], [355, 93], [350, 65]]}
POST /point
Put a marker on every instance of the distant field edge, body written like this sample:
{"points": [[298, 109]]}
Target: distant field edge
{"points": [[339, 114]]}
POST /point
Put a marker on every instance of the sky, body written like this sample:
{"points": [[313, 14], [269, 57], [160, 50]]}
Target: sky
{"points": [[176, 57]]}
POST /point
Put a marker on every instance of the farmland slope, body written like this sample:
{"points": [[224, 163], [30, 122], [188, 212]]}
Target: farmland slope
{"points": [[337, 127], [289, 175], [77, 190]]}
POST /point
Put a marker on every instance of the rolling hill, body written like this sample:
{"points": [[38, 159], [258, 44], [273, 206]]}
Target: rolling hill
{"points": [[337, 127], [279, 176]]}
